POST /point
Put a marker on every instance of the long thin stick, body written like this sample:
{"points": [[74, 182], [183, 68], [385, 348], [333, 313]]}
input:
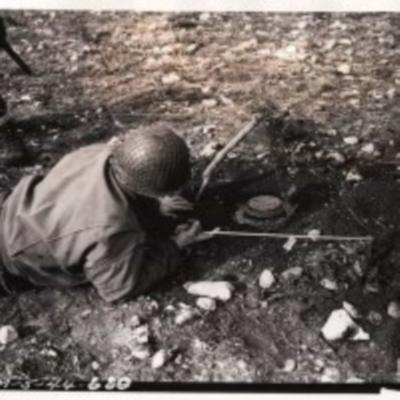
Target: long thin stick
{"points": [[288, 235], [223, 152]]}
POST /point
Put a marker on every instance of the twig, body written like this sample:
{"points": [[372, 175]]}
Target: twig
{"points": [[273, 235], [222, 153]]}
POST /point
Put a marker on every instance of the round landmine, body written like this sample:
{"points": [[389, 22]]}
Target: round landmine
{"points": [[265, 212], [265, 206]]}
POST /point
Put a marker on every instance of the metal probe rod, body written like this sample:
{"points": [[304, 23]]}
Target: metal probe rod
{"points": [[287, 236]]}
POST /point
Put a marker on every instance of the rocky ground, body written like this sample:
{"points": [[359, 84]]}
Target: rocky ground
{"points": [[328, 88]]}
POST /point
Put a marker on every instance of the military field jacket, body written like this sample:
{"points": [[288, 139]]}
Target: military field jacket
{"points": [[75, 225]]}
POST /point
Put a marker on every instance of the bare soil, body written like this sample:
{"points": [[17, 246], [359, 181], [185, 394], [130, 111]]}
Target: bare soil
{"points": [[318, 79]]}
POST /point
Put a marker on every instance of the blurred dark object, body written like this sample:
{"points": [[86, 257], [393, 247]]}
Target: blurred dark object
{"points": [[13, 151], [3, 112], [10, 51]]}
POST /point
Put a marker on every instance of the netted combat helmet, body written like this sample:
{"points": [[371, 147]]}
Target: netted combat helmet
{"points": [[152, 161]]}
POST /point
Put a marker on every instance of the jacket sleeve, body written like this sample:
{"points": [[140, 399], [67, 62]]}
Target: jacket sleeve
{"points": [[123, 267]]}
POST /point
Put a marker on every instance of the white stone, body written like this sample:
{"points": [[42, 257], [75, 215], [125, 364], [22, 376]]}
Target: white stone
{"points": [[184, 316], [338, 325], [330, 375], [358, 269], [209, 149], [8, 334], [141, 334], [353, 312], [204, 16], [344, 69], [49, 353], [329, 44], [247, 45], [337, 157], [159, 359], [170, 78], [394, 309], [353, 176], [350, 140], [360, 335], [209, 103], [289, 244], [220, 290], [192, 48], [290, 365], [205, 303], [95, 366], [368, 148], [329, 284], [169, 308], [290, 52], [391, 93], [266, 279], [371, 288], [292, 273], [355, 379], [141, 352], [86, 313]]}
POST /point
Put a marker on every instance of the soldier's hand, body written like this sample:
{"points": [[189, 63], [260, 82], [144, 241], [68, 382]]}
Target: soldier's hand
{"points": [[170, 205], [188, 234]]}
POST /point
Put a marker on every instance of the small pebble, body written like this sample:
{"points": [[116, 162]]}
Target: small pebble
{"points": [[330, 375], [86, 313], [221, 290], [209, 103], [184, 316], [358, 269], [394, 309], [319, 365], [344, 69], [338, 325], [289, 244], [8, 334], [209, 149], [141, 334], [159, 359], [292, 273], [266, 279], [205, 303], [170, 79], [204, 16], [169, 308], [141, 352], [371, 288], [353, 312], [353, 176], [368, 148], [192, 48], [391, 93], [338, 158], [351, 140], [95, 366], [360, 335], [329, 284], [290, 365], [49, 353], [355, 379]]}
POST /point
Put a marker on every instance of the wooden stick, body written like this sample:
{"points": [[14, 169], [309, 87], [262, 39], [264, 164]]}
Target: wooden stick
{"points": [[288, 235], [223, 152]]}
